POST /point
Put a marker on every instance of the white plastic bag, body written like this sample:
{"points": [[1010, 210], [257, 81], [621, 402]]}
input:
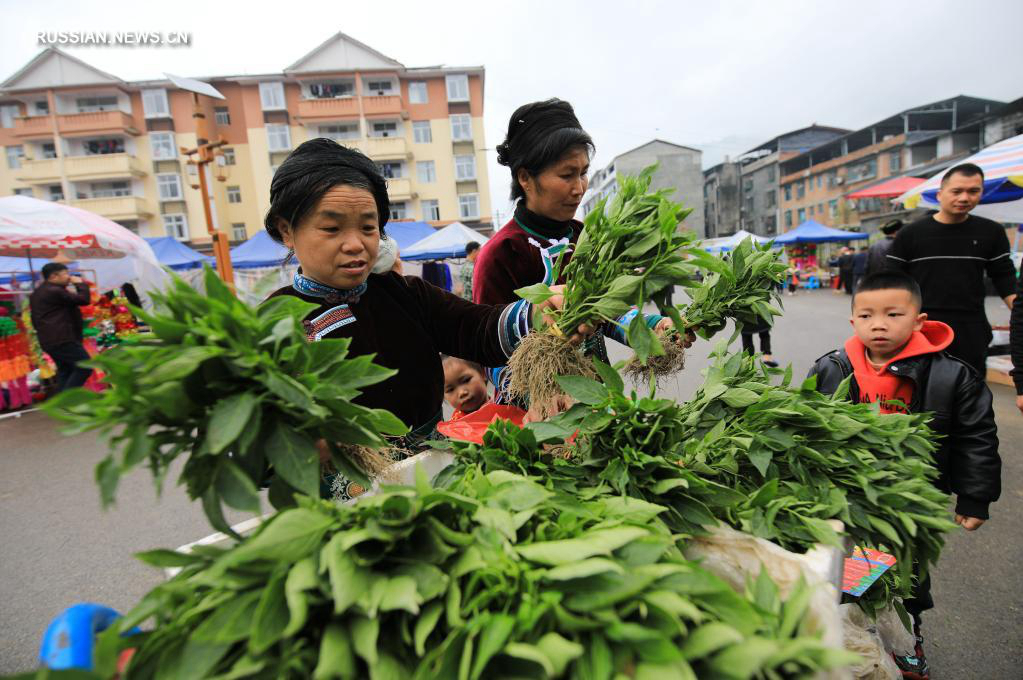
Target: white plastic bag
{"points": [[861, 637]]}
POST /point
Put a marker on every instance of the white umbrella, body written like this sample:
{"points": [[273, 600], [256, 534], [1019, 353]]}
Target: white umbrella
{"points": [[717, 245], [30, 228], [447, 242]]}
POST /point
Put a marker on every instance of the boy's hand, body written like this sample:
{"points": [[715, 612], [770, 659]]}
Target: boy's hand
{"points": [[969, 523], [1019, 403], [666, 324]]}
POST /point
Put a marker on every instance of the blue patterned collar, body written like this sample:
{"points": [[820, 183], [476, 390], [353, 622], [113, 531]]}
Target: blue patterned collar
{"points": [[306, 286]]}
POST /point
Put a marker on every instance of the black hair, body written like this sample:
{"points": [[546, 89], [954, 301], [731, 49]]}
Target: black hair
{"points": [[51, 268], [889, 279], [471, 364], [964, 169], [471, 246], [313, 169], [539, 134]]}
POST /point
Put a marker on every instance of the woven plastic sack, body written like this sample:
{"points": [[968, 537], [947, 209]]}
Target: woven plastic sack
{"points": [[861, 637]]}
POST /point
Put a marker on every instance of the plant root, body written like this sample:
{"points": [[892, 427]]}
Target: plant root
{"points": [[668, 364], [535, 365]]}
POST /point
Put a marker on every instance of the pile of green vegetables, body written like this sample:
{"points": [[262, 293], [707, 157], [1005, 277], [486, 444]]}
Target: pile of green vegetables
{"points": [[495, 576], [238, 390]]}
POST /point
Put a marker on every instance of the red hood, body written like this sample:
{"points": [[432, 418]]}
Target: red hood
{"points": [[933, 337]]}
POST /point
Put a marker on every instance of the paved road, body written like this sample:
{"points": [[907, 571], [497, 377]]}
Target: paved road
{"points": [[57, 546]]}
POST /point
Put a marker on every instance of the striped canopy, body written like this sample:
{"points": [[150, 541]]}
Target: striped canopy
{"points": [[1002, 201]]}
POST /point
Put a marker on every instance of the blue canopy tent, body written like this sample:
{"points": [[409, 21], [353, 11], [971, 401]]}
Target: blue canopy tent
{"points": [[444, 243], [815, 232], [405, 234], [175, 255], [258, 251]]}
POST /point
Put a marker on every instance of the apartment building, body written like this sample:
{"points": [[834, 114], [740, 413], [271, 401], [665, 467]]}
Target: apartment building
{"points": [[915, 142], [678, 168], [74, 133], [722, 209]]}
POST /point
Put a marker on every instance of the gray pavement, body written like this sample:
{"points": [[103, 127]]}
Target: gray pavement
{"points": [[57, 547]]}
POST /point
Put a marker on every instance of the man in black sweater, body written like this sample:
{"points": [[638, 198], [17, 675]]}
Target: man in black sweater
{"points": [[58, 323], [948, 252], [1016, 344]]}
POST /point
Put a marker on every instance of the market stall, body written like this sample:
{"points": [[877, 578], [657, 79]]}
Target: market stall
{"points": [[261, 266]]}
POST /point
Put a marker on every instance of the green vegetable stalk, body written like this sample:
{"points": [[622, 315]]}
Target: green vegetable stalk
{"points": [[237, 390]]}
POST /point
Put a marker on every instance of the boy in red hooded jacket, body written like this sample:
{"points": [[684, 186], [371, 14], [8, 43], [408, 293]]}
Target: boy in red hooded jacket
{"points": [[897, 360]]}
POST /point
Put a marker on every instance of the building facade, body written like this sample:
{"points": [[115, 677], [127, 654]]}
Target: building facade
{"points": [[73, 133], [917, 142], [678, 168], [722, 208]]}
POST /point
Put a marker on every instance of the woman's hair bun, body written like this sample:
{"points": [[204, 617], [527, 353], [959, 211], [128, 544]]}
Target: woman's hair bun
{"points": [[503, 153]]}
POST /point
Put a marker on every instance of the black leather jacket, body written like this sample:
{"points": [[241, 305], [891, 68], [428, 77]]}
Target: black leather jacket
{"points": [[967, 455]]}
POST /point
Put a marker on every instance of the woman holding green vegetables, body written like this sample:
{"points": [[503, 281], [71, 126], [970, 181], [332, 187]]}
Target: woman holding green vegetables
{"points": [[329, 205]]}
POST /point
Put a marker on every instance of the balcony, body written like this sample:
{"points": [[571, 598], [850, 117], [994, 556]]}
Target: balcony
{"points": [[97, 122], [116, 207], [383, 106], [105, 166], [328, 109], [33, 127], [400, 189], [43, 171], [383, 148]]}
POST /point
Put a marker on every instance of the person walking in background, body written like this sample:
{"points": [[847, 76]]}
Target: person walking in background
{"points": [[877, 254], [845, 270], [1016, 344], [472, 250], [948, 253], [57, 320], [859, 267]]}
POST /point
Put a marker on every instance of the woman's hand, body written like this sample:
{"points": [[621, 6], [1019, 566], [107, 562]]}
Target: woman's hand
{"points": [[557, 301], [560, 403], [666, 324]]}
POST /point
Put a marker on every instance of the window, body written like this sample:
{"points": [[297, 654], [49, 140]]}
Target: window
{"points": [[431, 209], [788, 192], [748, 205], [833, 208], [271, 96], [465, 168], [234, 195], [24, 192], [222, 115], [379, 88], [331, 89], [47, 150], [14, 156], [398, 211], [788, 218], [894, 161], [109, 189], [227, 154], [832, 179], [8, 112], [811, 211], [278, 137], [41, 108], [862, 171], [56, 192], [384, 130], [169, 187], [770, 224], [417, 92], [770, 198], [461, 127], [770, 173], [468, 206], [421, 132], [102, 147], [162, 144], [154, 103], [820, 208], [340, 132], [747, 185], [458, 88], [426, 172], [92, 104], [238, 232], [801, 215], [175, 225], [820, 178], [800, 190], [809, 184], [391, 169]]}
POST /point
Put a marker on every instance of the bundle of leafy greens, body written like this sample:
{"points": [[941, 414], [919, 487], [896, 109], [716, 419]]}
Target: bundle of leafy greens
{"points": [[495, 576], [629, 253], [240, 392]]}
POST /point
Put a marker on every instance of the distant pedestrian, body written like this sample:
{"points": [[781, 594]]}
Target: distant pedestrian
{"points": [[948, 254], [1016, 344], [472, 250], [877, 254], [57, 321], [845, 270], [859, 268]]}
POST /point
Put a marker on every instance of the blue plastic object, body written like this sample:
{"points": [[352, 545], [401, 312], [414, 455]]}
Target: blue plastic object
{"points": [[69, 639]]}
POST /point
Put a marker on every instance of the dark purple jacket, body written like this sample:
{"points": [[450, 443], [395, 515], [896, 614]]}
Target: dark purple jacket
{"points": [[55, 314]]}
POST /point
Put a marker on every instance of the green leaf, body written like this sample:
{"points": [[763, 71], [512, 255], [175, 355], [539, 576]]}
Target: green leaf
{"points": [[348, 581], [271, 617], [493, 637], [165, 559], [301, 578], [559, 651], [610, 377], [107, 476], [230, 416], [401, 593], [229, 622], [643, 341], [740, 397], [364, 633], [295, 458], [761, 460], [583, 389], [709, 638], [336, 658], [536, 294], [584, 569], [288, 536], [235, 487], [530, 653], [425, 624], [567, 551]]}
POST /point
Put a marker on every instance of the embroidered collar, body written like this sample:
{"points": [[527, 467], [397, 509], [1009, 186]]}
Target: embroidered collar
{"points": [[334, 296]]}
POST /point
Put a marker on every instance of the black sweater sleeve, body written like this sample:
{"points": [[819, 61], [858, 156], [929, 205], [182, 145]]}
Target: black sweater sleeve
{"points": [[1016, 336], [975, 466], [999, 265], [898, 257], [486, 334]]}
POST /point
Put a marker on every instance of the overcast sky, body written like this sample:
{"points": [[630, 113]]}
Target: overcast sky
{"points": [[720, 76]]}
